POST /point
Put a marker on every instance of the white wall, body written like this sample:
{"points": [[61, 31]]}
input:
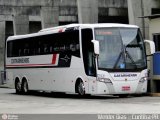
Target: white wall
{"points": [[154, 27]]}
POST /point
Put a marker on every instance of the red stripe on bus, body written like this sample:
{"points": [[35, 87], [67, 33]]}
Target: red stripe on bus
{"points": [[61, 30], [54, 58]]}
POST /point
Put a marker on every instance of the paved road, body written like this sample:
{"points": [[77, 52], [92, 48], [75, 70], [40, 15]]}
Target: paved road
{"points": [[47, 103]]}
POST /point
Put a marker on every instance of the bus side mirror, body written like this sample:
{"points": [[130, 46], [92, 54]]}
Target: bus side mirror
{"points": [[150, 47], [96, 46]]}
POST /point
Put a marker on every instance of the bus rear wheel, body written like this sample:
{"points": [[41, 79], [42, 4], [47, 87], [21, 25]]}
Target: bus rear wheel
{"points": [[18, 87], [81, 88], [24, 87]]}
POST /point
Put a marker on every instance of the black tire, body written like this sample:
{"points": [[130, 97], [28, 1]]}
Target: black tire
{"points": [[24, 87], [18, 87], [123, 96], [81, 89]]}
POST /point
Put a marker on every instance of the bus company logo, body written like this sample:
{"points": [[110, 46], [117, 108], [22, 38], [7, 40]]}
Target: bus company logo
{"points": [[20, 60], [66, 58], [4, 116], [125, 75]]}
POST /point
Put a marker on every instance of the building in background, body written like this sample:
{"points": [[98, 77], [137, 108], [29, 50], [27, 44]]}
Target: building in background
{"points": [[154, 34], [29, 16]]}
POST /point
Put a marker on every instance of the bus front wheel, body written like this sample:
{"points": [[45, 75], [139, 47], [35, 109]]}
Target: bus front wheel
{"points": [[81, 88]]}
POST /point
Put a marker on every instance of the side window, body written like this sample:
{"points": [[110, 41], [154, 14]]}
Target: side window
{"points": [[9, 48], [17, 48], [21, 47], [26, 49], [73, 41], [65, 42], [88, 52], [38, 47]]}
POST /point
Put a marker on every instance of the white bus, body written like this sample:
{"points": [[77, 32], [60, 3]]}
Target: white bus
{"points": [[79, 58]]}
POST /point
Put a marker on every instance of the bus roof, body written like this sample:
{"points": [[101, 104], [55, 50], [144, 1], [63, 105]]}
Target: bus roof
{"points": [[91, 26], [62, 28]]}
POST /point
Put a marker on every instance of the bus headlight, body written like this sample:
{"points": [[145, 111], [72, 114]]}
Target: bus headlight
{"points": [[143, 79], [101, 78]]}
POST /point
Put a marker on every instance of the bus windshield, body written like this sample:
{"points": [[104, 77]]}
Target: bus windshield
{"points": [[120, 49]]}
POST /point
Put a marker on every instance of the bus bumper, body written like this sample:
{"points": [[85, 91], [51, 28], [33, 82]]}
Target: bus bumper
{"points": [[122, 87]]}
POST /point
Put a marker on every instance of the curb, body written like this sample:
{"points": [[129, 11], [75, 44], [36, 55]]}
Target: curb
{"points": [[3, 86]]}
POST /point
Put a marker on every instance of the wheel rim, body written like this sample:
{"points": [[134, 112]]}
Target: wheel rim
{"points": [[81, 89], [25, 87], [18, 86]]}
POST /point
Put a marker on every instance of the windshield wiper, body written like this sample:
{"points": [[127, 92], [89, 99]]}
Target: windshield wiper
{"points": [[118, 59], [125, 53], [129, 56]]}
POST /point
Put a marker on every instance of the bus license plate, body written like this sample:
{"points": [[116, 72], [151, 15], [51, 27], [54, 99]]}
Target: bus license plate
{"points": [[126, 88]]}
